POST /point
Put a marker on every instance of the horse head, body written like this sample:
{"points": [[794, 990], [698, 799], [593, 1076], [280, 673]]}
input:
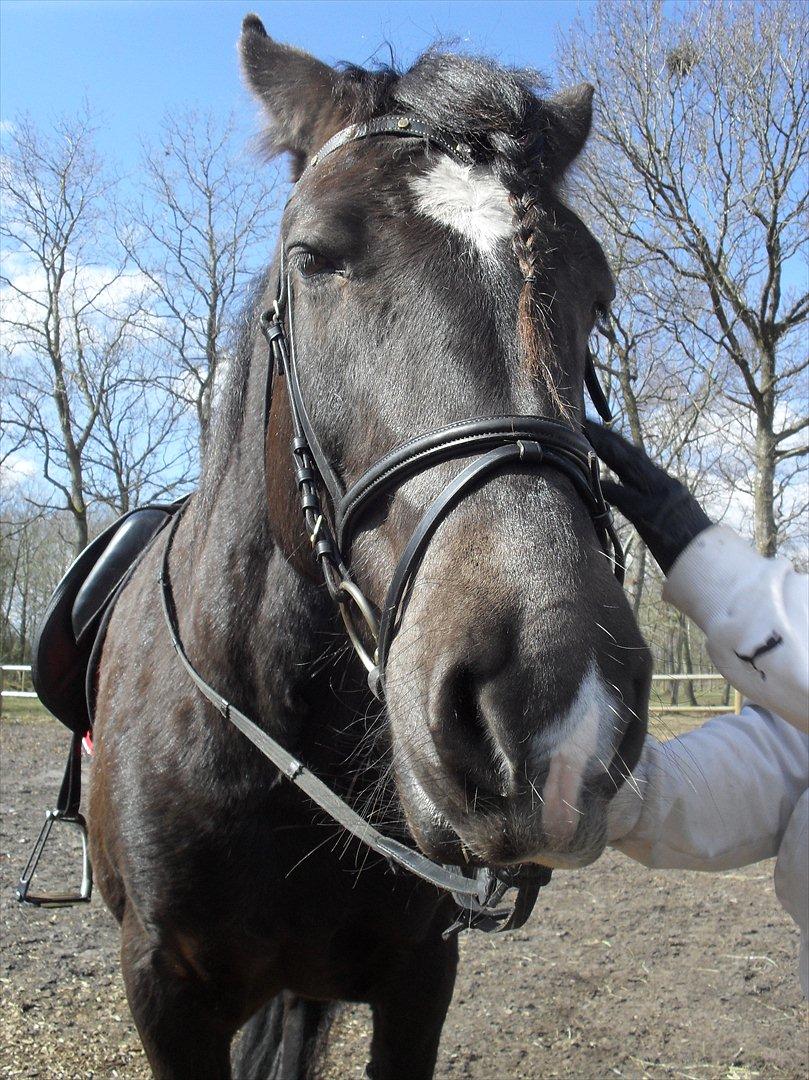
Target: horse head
{"points": [[429, 289]]}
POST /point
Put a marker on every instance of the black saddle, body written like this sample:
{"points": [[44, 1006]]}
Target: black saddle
{"points": [[66, 640]]}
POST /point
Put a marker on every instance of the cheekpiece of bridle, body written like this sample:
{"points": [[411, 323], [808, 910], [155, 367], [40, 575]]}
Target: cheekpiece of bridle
{"points": [[495, 444]]}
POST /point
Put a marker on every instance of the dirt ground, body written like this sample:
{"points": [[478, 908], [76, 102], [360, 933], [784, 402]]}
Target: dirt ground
{"points": [[619, 972]]}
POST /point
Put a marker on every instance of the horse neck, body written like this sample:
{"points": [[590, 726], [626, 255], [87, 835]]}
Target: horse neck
{"points": [[264, 629]]}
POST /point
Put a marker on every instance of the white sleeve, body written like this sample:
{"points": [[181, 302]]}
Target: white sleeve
{"points": [[755, 615], [715, 798], [792, 880]]}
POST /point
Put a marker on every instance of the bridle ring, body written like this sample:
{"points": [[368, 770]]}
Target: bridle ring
{"points": [[348, 591]]}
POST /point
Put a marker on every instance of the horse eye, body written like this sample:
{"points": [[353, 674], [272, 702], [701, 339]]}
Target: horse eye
{"points": [[313, 263]]}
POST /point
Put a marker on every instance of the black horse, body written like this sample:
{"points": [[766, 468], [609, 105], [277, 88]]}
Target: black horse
{"points": [[428, 288]]}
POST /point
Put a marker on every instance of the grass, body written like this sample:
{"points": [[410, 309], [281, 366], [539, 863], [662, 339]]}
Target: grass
{"points": [[24, 711], [666, 722], [665, 725]]}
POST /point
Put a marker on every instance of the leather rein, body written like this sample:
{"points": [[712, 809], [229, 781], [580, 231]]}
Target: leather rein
{"points": [[495, 444]]}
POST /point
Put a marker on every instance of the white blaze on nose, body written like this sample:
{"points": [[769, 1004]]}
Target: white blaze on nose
{"points": [[468, 199], [578, 741]]}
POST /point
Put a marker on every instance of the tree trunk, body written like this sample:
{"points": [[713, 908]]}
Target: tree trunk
{"points": [[7, 643], [640, 577], [766, 533], [24, 596], [77, 505], [673, 667]]}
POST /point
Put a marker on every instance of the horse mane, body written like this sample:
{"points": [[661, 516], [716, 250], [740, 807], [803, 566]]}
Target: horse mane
{"points": [[229, 397]]}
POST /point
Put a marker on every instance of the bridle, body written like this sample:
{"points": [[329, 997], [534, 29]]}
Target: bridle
{"points": [[496, 444]]}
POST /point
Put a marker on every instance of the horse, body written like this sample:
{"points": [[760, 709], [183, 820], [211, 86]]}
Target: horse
{"points": [[435, 277]]}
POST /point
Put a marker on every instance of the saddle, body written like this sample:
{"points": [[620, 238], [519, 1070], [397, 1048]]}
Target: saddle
{"points": [[64, 660], [67, 644]]}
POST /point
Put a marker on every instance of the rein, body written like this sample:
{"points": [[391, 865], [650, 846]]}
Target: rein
{"points": [[496, 444]]}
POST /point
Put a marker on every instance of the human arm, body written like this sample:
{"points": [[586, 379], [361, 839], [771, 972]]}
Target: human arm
{"points": [[755, 616], [754, 611], [715, 798]]}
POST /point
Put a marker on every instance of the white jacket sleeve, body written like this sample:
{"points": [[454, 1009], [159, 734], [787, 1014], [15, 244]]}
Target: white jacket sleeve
{"points": [[715, 798], [755, 615]]}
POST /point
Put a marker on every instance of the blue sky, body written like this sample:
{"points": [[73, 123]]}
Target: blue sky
{"points": [[135, 59]]}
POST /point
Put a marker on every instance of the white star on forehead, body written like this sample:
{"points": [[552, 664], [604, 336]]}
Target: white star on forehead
{"points": [[468, 199]]}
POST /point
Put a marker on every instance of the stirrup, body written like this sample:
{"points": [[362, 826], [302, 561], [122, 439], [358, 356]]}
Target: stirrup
{"points": [[76, 820]]}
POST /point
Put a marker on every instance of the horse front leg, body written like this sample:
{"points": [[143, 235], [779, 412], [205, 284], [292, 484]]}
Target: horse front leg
{"points": [[409, 1014], [185, 1022]]}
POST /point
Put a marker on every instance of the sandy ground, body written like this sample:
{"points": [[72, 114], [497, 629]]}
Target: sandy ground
{"points": [[619, 972]]}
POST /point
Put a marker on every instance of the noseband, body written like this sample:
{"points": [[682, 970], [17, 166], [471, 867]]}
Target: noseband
{"points": [[495, 445]]}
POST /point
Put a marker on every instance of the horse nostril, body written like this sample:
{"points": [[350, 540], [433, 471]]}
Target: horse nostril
{"points": [[465, 699], [461, 733]]}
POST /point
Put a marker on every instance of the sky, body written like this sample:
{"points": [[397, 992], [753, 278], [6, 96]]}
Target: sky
{"points": [[135, 59]]}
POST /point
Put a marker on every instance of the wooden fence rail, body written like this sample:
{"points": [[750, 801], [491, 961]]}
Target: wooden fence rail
{"points": [[20, 670]]}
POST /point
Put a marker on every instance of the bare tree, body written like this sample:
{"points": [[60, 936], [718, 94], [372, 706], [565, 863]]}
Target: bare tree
{"points": [[698, 170], [141, 446], [202, 222], [71, 309], [53, 191], [33, 555]]}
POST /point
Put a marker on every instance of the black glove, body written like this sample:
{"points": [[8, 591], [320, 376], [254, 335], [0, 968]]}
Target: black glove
{"points": [[664, 512]]}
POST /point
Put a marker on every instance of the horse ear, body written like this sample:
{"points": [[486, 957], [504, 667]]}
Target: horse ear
{"points": [[568, 119], [296, 90]]}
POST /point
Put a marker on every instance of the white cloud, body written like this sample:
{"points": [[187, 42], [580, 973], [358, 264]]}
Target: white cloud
{"points": [[16, 468], [105, 289]]}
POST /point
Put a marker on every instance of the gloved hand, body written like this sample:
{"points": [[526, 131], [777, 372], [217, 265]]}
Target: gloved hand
{"points": [[664, 512]]}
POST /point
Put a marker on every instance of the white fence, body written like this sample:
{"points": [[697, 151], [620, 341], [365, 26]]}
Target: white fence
{"points": [[21, 670], [697, 676]]}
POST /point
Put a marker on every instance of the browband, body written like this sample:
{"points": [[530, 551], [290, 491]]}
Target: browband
{"points": [[405, 126]]}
